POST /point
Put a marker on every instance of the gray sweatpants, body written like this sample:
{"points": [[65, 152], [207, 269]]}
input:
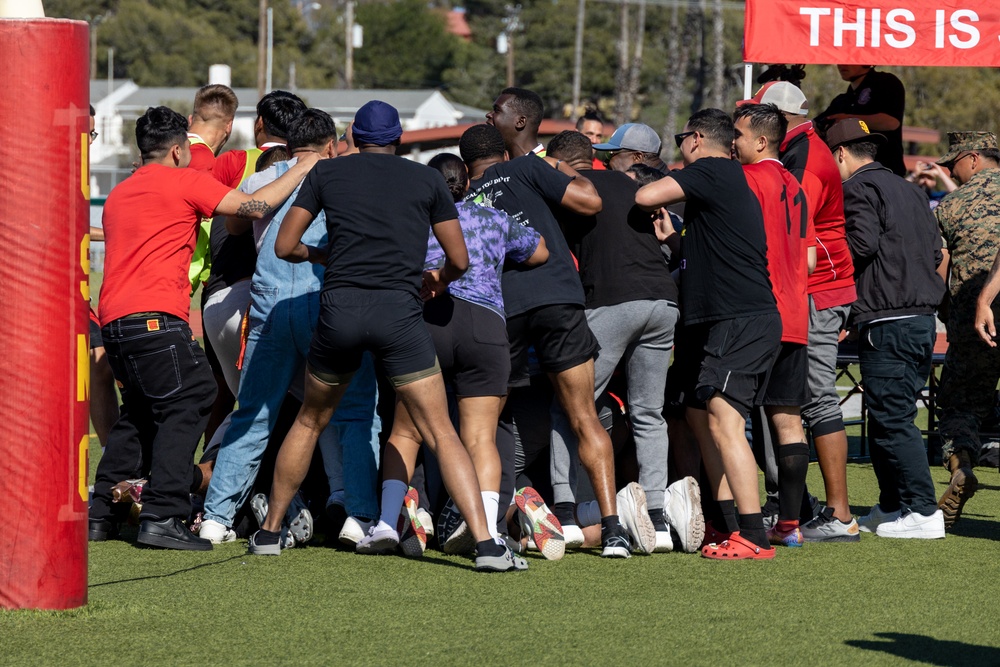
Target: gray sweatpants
{"points": [[641, 333]]}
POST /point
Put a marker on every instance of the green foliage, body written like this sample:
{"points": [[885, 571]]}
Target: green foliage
{"points": [[390, 27], [172, 42]]}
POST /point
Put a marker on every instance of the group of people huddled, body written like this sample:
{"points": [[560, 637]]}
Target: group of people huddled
{"points": [[463, 339]]}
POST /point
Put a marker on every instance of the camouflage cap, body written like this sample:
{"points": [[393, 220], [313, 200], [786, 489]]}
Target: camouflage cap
{"points": [[958, 142]]}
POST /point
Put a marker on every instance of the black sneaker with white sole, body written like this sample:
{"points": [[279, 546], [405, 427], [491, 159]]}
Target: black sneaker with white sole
{"points": [[508, 562], [615, 543]]}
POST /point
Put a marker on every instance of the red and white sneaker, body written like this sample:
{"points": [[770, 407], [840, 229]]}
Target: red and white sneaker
{"points": [[540, 524]]}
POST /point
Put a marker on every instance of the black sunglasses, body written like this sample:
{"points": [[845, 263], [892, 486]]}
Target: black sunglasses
{"points": [[679, 138]]}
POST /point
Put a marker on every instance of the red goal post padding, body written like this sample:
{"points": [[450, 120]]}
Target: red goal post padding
{"points": [[44, 385], [957, 33]]}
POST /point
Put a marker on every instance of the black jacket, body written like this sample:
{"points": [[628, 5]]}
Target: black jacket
{"points": [[895, 244]]}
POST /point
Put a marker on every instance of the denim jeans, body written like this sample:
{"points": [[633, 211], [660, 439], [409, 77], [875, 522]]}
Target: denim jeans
{"points": [[167, 391], [284, 309], [895, 358]]}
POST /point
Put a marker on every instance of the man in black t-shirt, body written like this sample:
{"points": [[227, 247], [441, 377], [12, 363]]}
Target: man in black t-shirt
{"points": [[631, 302], [731, 321], [878, 99], [378, 207], [545, 305]]}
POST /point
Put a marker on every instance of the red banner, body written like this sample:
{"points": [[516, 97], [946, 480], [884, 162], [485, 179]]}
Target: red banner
{"points": [[959, 33]]}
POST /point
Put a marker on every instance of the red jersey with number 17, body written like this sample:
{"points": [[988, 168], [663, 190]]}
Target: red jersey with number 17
{"points": [[790, 232]]}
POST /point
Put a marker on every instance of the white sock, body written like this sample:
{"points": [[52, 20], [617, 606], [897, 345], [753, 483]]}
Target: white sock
{"points": [[588, 513], [393, 492], [491, 503]]}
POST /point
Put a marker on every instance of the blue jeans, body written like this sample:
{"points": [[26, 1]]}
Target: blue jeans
{"points": [[895, 358], [284, 308]]}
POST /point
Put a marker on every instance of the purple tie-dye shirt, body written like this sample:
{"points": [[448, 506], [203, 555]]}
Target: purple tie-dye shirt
{"points": [[490, 235]]}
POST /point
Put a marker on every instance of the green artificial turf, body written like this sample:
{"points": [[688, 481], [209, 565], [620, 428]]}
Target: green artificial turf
{"points": [[880, 602]]}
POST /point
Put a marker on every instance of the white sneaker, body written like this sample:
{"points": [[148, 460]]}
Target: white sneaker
{"points": [[215, 532], [871, 521], [573, 536], [634, 515], [915, 526], [683, 509], [354, 530], [664, 543]]}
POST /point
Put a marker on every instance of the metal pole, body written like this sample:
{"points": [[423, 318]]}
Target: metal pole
{"points": [[270, 47], [349, 38], [578, 57], [747, 80], [111, 70], [261, 48]]}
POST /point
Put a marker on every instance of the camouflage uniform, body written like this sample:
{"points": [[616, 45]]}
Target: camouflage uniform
{"points": [[970, 224]]}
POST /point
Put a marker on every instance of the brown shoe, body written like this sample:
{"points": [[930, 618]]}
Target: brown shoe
{"points": [[962, 487]]}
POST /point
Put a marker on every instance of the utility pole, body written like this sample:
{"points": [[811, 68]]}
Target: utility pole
{"points": [[349, 40], [578, 57], [512, 24], [261, 48], [270, 48]]}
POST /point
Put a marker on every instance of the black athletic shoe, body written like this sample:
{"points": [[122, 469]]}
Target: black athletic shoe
{"points": [[170, 534], [616, 543]]}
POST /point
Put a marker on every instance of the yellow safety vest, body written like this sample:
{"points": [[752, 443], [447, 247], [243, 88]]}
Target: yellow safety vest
{"points": [[201, 261]]}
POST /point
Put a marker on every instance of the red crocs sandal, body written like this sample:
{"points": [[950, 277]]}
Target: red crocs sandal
{"points": [[736, 548], [713, 536]]}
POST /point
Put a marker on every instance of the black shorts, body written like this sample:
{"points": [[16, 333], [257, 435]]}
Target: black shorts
{"points": [[387, 323], [788, 383], [734, 357], [560, 336], [471, 344]]}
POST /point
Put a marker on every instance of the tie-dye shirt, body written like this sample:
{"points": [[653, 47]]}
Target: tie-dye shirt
{"points": [[490, 235]]}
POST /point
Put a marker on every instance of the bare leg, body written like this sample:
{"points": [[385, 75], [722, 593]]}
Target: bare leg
{"points": [[831, 449], [428, 407], [710, 455], [728, 429], [575, 390], [478, 416], [401, 450], [787, 422], [103, 398], [296, 451]]}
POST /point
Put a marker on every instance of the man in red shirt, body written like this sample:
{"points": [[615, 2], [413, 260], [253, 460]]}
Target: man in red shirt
{"points": [[210, 124], [150, 225], [831, 293], [791, 255]]}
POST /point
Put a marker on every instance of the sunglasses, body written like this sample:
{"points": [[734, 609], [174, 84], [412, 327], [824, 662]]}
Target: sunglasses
{"points": [[93, 134], [679, 138], [951, 165]]}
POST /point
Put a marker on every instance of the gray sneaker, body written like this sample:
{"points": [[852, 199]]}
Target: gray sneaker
{"points": [[263, 549], [827, 528], [506, 563]]}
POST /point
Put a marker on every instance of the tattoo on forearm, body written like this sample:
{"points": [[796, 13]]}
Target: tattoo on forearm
{"points": [[253, 206]]}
